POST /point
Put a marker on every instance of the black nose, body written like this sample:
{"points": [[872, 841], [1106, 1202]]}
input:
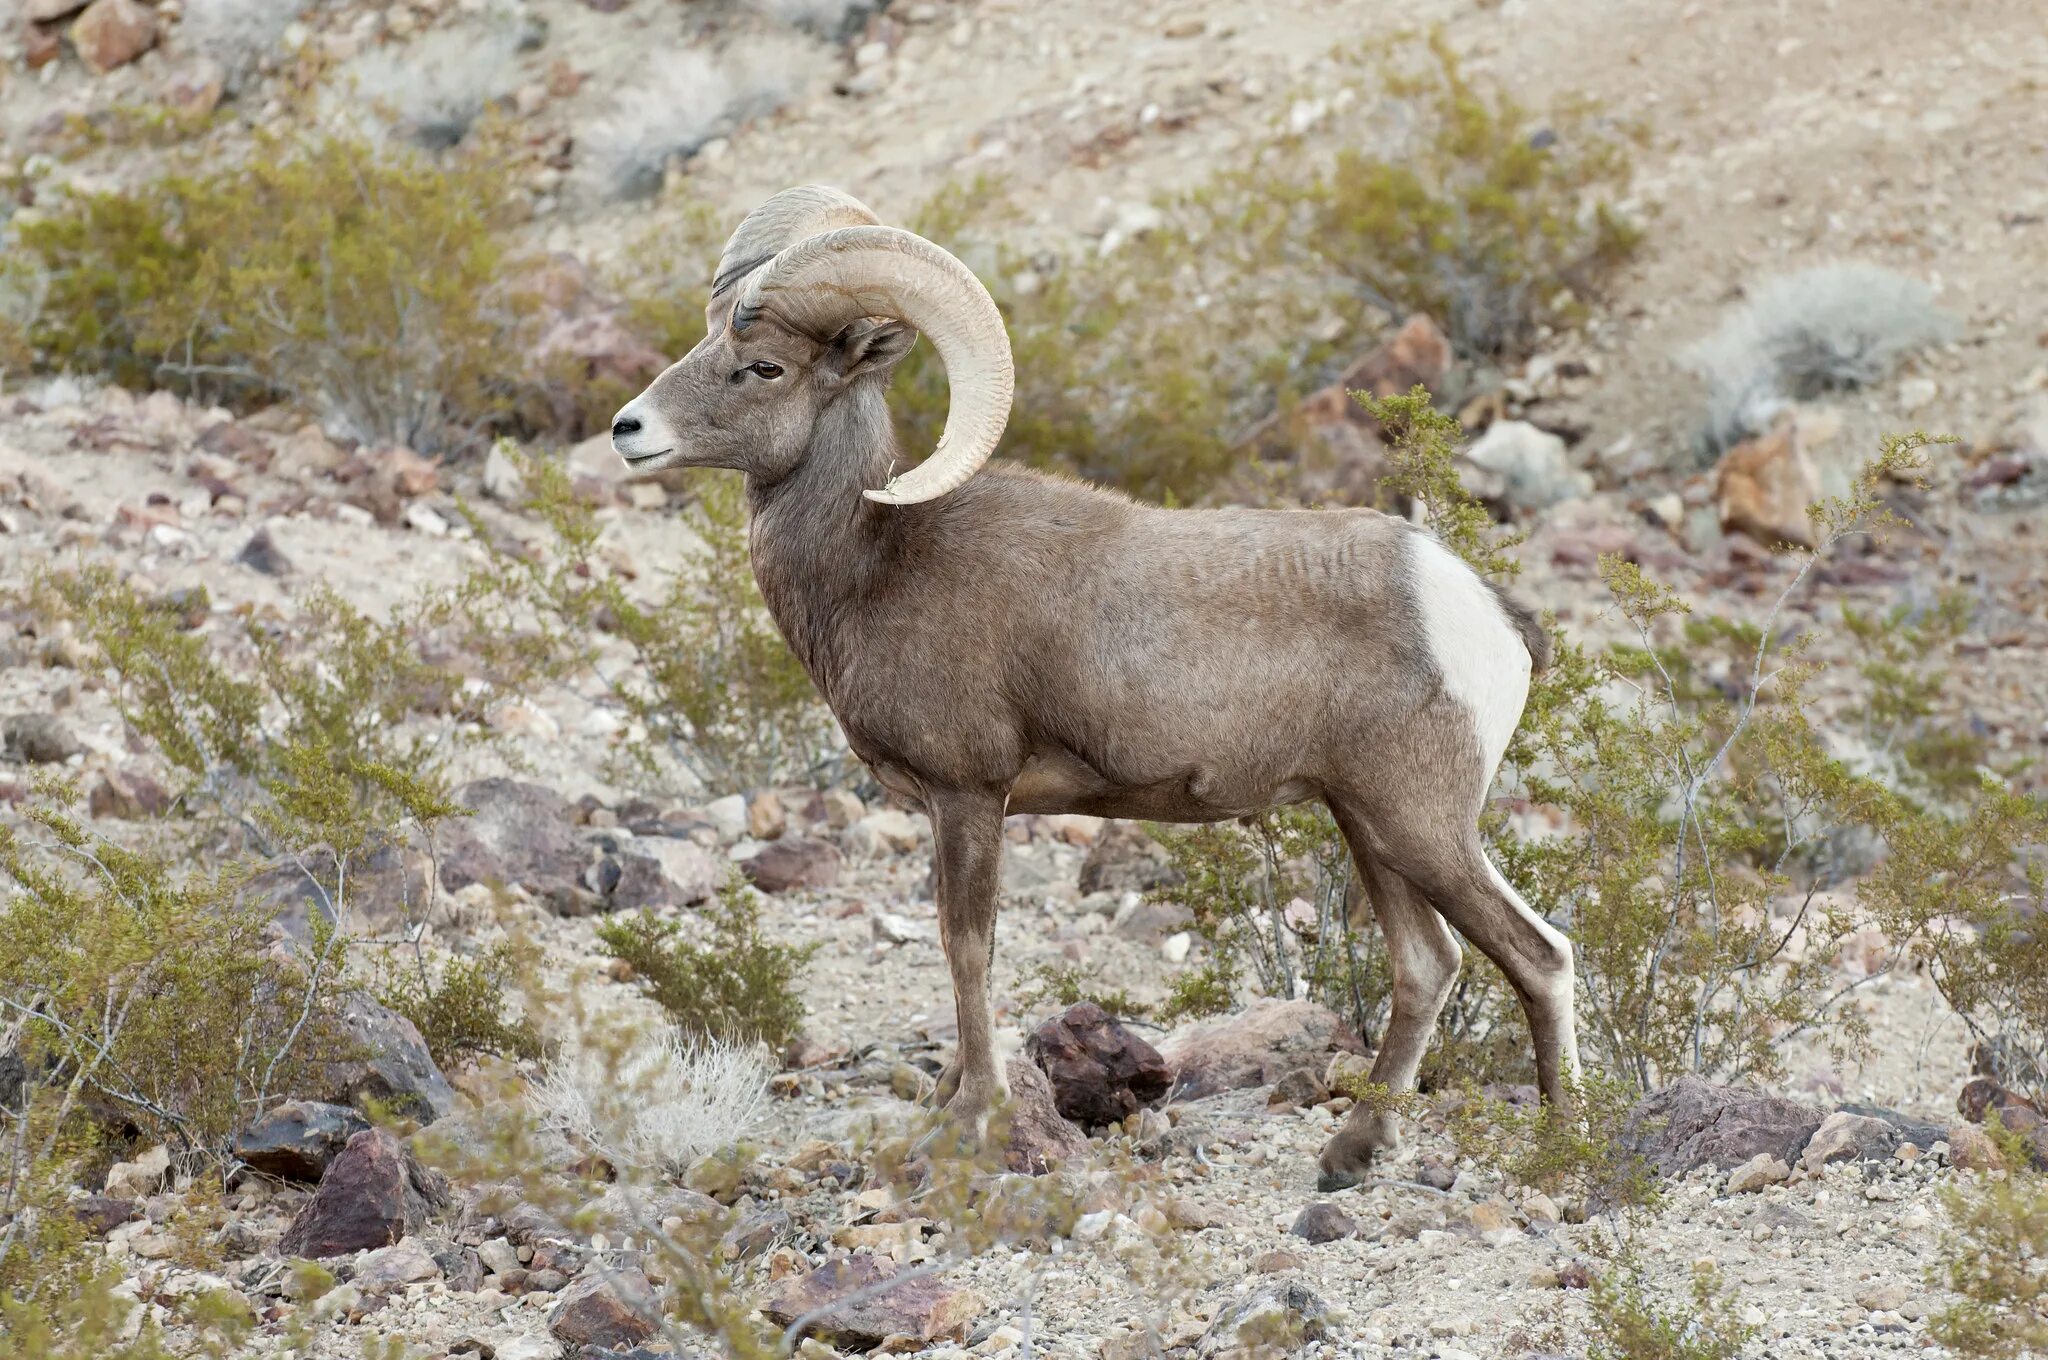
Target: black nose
{"points": [[625, 425]]}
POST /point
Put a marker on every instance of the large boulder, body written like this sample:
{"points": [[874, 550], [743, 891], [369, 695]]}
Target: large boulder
{"points": [[1041, 1139], [385, 1063], [1694, 1122], [1125, 859], [1101, 1072], [517, 835], [373, 1195], [299, 1139], [925, 1309], [1271, 1317], [1257, 1046]]}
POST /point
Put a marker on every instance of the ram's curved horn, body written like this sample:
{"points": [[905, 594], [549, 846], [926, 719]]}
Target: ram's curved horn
{"points": [[821, 284], [780, 223]]}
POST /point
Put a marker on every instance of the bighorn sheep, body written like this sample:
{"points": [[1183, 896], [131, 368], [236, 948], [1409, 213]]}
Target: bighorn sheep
{"points": [[1016, 642]]}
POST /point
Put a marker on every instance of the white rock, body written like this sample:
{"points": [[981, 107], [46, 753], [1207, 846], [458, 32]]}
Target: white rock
{"points": [[728, 814], [887, 925], [887, 831], [1176, 946], [140, 1178], [502, 481], [1756, 1173], [1533, 464], [426, 519]]}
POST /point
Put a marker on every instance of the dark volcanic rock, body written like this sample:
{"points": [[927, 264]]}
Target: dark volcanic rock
{"points": [[38, 738], [373, 1194], [297, 1140], [1101, 1072], [1694, 1122]]}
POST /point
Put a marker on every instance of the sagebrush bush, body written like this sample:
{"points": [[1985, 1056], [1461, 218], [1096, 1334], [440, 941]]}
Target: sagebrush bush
{"points": [[1630, 1321], [1804, 334], [738, 986], [1483, 217], [368, 284]]}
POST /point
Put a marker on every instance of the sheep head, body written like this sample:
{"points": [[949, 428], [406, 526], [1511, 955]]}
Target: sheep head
{"points": [[811, 298]]}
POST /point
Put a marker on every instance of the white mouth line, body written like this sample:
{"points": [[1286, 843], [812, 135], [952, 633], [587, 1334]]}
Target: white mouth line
{"points": [[643, 457]]}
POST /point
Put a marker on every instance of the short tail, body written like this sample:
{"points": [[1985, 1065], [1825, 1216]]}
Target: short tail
{"points": [[1534, 635]]}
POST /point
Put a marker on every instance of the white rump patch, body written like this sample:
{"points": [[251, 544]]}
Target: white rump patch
{"points": [[1484, 662]]}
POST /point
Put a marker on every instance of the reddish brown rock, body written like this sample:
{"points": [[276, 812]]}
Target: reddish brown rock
{"points": [[608, 1309], [922, 1308], [113, 33], [1763, 486], [129, 795], [1322, 1222], [385, 480], [1981, 1095], [39, 47], [45, 11], [792, 863], [373, 1194], [1101, 1072], [1041, 1139], [1257, 1047]]}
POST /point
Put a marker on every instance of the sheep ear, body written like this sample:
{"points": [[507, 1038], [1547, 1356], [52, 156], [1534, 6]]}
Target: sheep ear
{"points": [[870, 347]]}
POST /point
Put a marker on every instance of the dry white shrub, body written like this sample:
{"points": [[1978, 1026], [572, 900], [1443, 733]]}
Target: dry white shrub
{"points": [[1798, 335], [653, 1102], [237, 34], [436, 86], [686, 99]]}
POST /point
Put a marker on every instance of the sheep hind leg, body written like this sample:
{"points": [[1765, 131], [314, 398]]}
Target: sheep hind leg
{"points": [[967, 834], [1425, 957]]}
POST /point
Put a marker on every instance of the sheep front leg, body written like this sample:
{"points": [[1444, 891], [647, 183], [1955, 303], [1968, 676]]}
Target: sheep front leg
{"points": [[967, 831]]}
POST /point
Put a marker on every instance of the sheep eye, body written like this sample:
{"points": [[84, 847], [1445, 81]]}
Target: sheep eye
{"points": [[764, 369]]}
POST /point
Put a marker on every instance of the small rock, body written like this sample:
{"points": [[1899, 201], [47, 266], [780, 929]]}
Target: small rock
{"points": [[1883, 1298], [891, 928], [728, 816], [502, 479], [112, 33], [608, 1308], [101, 1214], [1494, 1221], [261, 554], [498, 1256], [297, 1140], [755, 1234], [1541, 1208], [1971, 1149], [886, 831], [1297, 1090], [1532, 464], [38, 738], [925, 1310], [394, 1267], [842, 808], [1844, 1137], [1277, 1262], [766, 819], [48, 11], [1756, 1173], [1322, 1222], [128, 795], [373, 1194], [140, 1178], [792, 863], [717, 1175], [1124, 859], [1763, 486], [1101, 1071]]}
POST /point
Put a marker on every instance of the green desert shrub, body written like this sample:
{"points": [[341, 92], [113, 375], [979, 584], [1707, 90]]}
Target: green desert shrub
{"points": [[1630, 1321], [711, 685], [733, 984], [365, 283], [1994, 1260], [459, 1004]]}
